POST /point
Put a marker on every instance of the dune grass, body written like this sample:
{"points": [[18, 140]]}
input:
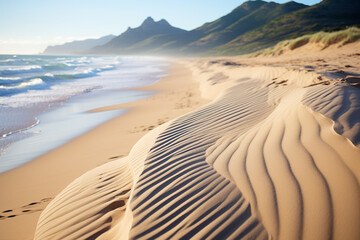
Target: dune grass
{"points": [[323, 39]]}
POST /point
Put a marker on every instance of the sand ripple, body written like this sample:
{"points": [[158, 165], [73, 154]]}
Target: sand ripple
{"points": [[267, 158]]}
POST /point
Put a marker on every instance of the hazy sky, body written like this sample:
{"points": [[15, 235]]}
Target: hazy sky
{"points": [[28, 26]]}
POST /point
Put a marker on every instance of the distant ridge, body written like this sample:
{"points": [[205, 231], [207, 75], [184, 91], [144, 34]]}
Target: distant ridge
{"points": [[248, 16], [132, 36], [252, 26], [77, 47]]}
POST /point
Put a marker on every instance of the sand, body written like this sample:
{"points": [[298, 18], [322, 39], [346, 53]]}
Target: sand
{"points": [[275, 154], [41, 180]]}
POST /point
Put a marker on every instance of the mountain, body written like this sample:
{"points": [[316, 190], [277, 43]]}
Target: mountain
{"points": [[252, 26], [238, 13], [258, 14], [130, 40], [195, 41], [161, 38], [327, 15], [77, 47]]}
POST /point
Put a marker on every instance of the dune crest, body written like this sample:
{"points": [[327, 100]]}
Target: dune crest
{"points": [[90, 206], [274, 155], [96, 205]]}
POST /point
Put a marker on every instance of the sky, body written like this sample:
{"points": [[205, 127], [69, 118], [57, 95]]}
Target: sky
{"points": [[28, 26]]}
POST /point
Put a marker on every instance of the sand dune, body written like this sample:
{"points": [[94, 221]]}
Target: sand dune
{"points": [[90, 206], [96, 205], [274, 155], [28, 189]]}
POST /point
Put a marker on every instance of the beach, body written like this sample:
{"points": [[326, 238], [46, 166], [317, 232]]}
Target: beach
{"points": [[41, 94], [40, 180], [227, 148]]}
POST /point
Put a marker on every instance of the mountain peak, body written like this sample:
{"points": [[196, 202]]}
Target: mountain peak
{"points": [[132, 36], [251, 5], [148, 20], [163, 21]]}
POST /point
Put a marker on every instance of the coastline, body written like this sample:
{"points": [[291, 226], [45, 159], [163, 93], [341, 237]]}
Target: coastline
{"points": [[258, 151], [267, 149], [67, 88], [43, 178]]}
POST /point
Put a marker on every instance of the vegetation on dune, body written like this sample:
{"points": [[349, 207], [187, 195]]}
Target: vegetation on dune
{"points": [[322, 39], [345, 36]]}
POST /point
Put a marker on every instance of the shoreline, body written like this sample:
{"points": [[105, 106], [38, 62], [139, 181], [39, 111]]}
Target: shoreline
{"points": [[41, 179], [62, 104], [73, 117], [245, 165], [276, 119]]}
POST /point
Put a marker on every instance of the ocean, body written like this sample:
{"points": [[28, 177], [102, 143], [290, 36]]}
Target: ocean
{"points": [[45, 100]]}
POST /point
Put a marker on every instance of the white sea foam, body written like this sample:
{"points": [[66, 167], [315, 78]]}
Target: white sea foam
{"points": [[8, 60], [108, 67], [31, 82], [9, 78], [57, 66], [23, 69], [41, 83], [51, 85], [49, 75]]}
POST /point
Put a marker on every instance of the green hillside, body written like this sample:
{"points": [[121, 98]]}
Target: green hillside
{"points": [[254, 19], [252, 26], [327, 15]]}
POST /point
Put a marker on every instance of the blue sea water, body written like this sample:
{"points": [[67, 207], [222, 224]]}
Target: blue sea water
{"points": [[45, 100]]}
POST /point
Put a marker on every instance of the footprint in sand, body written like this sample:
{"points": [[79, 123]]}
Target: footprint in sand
{"points": [[115, 157], [143, 128], [27, 209]]}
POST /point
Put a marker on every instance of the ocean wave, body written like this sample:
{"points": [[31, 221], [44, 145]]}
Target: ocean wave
{"points": [[67, 76], [11, 61], [49, 75], [57, 75], [86, 73], [63, 76], [9, 80], [7, 60], [32, 84], [83, 61], [57, 66], [107, 67], [89, 72], [25, 69]]}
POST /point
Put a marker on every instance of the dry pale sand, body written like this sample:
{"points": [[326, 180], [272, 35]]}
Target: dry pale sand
{"points": [[274, 155], [27, 190]]}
